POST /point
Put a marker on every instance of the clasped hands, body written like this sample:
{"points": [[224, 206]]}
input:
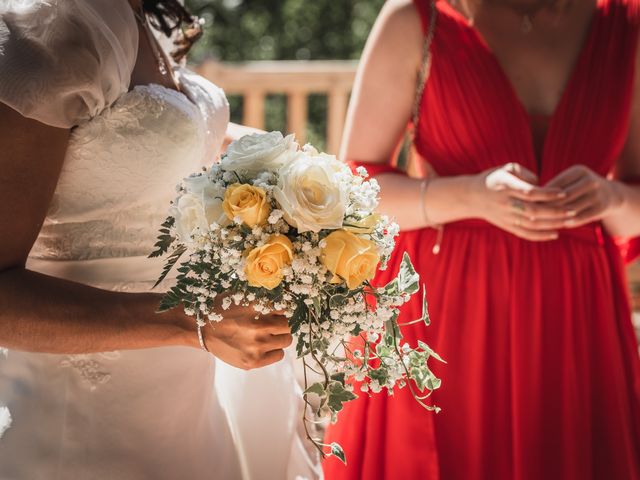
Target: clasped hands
{"points": [[512, 199]]}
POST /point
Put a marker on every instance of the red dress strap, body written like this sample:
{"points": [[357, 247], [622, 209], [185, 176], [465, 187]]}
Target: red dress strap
{"points": [[374, 169]]}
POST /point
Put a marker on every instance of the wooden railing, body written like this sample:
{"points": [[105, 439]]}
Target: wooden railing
{"points": [[295, 79]]}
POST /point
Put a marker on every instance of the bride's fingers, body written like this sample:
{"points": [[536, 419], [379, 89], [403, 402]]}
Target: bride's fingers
{"points": [[274, 324], [269, 358], [277, 342]]}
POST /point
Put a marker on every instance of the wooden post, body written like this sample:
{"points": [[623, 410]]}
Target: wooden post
{"points": [[253, 111], [297, 115], [337, 109]]}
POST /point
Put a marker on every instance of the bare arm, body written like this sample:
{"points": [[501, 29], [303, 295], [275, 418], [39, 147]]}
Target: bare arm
{"points": [[39, 313], [380, 107], [235, 131], [625, 221]]}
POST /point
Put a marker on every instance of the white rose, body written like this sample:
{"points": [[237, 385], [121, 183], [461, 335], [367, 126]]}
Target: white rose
{"points": [[189, 214], [310, 193], [196, 183], [211, 194], [259, 151]]}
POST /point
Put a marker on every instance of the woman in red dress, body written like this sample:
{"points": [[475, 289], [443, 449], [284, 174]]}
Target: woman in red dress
{"points": [[530, 121]]}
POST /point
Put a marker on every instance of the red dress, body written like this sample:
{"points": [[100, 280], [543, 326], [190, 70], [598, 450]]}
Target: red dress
{"points": [[543, 373]]}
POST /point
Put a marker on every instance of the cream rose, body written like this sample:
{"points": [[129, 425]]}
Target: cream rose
{"points": [[247, 202], [259, 151], [350, 258], [211, 195], [189, 214], [310, 194], [264, 264]]}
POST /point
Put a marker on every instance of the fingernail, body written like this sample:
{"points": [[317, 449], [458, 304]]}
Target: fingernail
{"points": [[569, 223], [562, 195], [571, 213]]}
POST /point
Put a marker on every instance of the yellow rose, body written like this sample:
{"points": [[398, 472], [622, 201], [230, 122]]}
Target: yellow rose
{"points": [[247, 202], [264, 264], [366, 225], [350, 258]]}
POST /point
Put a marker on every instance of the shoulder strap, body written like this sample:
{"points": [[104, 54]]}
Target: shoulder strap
{"points": [[425, 67]]}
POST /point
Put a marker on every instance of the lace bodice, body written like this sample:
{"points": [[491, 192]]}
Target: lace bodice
{"points": [[121, 168]]}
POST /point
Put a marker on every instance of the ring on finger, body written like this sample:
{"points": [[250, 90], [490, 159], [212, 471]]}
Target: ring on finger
{"points": [[517, 205]]}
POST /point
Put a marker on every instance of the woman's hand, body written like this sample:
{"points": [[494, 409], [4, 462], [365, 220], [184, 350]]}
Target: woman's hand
{"points": [[247, 340], [589, 196], [508, 197]]}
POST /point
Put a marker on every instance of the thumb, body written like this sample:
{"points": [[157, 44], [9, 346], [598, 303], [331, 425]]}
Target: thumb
{"points": [[523, 173]]}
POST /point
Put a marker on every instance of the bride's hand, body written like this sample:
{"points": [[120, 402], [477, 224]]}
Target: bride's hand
{"points": [[509, 197], [246, 339]]}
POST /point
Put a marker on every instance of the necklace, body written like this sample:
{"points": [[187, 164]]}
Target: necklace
{"points": [[526, 21], [157, 52]]}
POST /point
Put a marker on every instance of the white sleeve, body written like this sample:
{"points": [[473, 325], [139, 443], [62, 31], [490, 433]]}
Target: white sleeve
{"points": [[64, 61]]}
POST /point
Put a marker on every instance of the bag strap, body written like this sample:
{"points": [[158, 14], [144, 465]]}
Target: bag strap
{"points": [[425, 67]]}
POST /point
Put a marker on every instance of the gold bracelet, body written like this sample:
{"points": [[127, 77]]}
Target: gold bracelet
{"points": [[425, 216]]}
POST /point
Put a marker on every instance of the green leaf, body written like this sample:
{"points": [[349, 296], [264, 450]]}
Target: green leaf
{"points": [[407, 281], [164, 239], [408, 278], [429, 351], [299, 317], [317, 389], [392, 330], [338, 395], [337, 451], [171, 261]]}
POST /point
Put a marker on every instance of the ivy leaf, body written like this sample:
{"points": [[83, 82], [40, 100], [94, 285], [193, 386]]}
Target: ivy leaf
{"points": [[424, 378], [171, 261], [392, 330], [337, 451], [429, 351], [408, 278], [407, 281], [317, 389], [338, 395], [299, 317]]}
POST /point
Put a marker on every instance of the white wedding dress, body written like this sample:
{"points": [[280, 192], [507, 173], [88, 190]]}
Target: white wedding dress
{"points": [[163, 413]]}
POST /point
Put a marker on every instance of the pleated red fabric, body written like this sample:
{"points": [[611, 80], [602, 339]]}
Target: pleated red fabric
{"points": [[543, 372]]}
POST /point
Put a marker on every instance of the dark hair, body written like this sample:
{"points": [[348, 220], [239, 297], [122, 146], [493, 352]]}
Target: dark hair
{"points": [[169, 16]]}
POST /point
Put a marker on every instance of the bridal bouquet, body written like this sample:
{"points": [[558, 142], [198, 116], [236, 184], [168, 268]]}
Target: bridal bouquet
{"points": [[287, 228]]}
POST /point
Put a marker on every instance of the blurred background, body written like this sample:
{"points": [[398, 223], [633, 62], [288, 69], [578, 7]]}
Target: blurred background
{"points": [[330, 33], [288, 65]]}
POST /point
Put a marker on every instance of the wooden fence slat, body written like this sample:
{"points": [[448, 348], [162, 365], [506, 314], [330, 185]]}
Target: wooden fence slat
{"points": [[297, 115], [337, 109], [253, 111]]}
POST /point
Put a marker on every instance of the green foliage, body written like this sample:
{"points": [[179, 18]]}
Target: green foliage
{"points": [[243, 30]]}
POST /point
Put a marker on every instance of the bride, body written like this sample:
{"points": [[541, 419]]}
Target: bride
{"points": [[96, 126]]}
